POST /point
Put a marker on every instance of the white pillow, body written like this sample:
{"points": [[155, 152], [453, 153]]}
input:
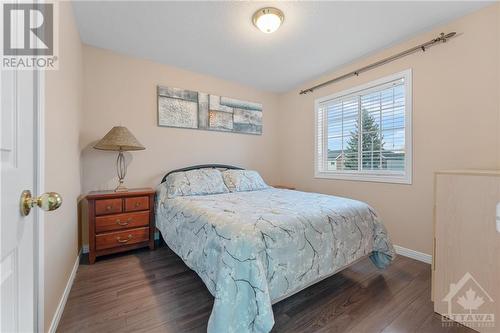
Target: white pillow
{"points": [[195, 182], [243, 180]]}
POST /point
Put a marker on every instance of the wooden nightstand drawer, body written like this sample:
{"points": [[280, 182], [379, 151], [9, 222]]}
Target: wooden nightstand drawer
{"points": [[121, 221], [121, 238], [136, 203], [108, 206]]}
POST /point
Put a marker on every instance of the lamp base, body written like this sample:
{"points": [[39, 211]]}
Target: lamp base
{"points": [[121, 188], [121, 170]]}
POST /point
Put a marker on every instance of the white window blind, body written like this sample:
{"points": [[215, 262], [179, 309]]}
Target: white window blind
{"points": [[365, 133]]}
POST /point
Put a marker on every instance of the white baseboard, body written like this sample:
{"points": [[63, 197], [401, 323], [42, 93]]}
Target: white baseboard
{"points": [[64, 298], [420, 256]]}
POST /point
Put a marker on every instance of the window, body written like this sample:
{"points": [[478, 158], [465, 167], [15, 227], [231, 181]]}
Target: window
{"points": [[365, 133]]}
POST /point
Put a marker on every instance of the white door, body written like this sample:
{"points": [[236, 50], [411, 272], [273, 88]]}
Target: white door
{"points": [[21, 309], [17, 265]]}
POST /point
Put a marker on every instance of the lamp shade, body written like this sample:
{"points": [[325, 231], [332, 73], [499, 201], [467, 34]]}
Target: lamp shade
{"points": [[119, 138]]}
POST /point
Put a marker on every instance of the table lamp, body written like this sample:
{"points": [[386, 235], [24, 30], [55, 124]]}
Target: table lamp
{"points": [[119, 139]]}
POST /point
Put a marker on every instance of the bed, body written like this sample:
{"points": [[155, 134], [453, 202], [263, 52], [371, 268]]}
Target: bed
{"points": [[255, 248]]}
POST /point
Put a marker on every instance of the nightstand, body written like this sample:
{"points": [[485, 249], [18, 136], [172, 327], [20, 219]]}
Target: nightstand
{"points": [[120, 221], [285, 187]]}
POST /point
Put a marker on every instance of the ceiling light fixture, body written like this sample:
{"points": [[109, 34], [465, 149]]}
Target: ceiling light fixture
{"points": [[268, 19]]}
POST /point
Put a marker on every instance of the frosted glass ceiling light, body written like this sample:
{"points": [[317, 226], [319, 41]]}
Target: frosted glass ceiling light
{"points": [[268, 19]]}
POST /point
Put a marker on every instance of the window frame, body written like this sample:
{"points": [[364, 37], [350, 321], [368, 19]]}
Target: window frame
{"points": [[367, 175]]}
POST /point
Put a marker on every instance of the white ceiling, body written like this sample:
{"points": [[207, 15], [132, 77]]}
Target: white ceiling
{"points": [[218, 38]]}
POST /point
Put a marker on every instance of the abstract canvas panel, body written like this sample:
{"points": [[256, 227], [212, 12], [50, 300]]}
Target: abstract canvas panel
{"points": [[181, 113], [191, 109], [222, 121], [247, 121]]}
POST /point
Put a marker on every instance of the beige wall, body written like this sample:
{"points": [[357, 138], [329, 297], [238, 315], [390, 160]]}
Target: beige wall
{"points": [[121, 90], [498, 88], [63, 105], [455, 124]]}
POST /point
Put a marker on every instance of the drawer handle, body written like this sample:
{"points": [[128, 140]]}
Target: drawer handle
{"points": [[109, 207], [137, 204], [123, 223], [120, 240]]}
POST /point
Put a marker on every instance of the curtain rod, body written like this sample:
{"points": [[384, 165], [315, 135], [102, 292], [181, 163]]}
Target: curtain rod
{"points": [[442, 38]]}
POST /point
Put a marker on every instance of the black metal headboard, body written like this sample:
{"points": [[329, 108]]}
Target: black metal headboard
{"points": [[202, 166]]}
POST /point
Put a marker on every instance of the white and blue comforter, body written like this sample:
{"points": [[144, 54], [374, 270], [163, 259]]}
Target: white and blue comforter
{"points": [[253, 248]]}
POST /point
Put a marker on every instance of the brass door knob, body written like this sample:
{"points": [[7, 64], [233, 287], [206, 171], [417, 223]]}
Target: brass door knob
{"points": [[47, 201]]}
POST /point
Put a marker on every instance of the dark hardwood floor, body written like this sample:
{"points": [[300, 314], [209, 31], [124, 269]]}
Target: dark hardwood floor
{"points": [[154, 291]]}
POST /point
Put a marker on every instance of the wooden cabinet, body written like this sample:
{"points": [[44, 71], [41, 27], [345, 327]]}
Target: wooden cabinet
{"points": [[466, 260], [120, 221]]}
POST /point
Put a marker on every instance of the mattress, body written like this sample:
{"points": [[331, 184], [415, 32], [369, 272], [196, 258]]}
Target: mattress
{"points": [[254, 248]]}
